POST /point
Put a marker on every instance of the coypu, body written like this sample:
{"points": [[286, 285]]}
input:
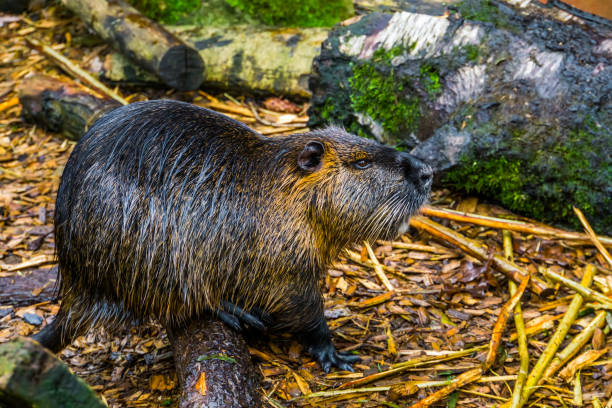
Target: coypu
{"points": [[168, 210]]}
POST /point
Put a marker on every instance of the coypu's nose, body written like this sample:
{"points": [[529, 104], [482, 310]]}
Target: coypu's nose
{"points": [[417, 171]]}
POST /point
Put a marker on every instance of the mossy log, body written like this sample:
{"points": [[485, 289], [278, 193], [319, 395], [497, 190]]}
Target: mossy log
{"points": [[143, 41], [31, 376], [213, 366], [60, 106], [513, 105], [247, 58]]}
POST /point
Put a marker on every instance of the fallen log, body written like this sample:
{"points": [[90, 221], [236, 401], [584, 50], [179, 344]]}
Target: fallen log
{"points": [[246, 58], [212, 361], [28, 288], [60, 106], [142, 40], [505, 103], [213, 366], [31, 376]]}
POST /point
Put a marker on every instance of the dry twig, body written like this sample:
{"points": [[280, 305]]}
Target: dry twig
{"points": [[511, 225], [593, 237], [555, 341], [74, 70], [520, 329], [500, 325], [378, 268], [581, 289], [479, 251]]}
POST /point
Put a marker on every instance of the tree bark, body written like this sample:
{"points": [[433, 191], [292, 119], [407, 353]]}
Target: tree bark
{"points": [[213, 366], [246, 58], [61, 106], [31, 376], [143, 41]]}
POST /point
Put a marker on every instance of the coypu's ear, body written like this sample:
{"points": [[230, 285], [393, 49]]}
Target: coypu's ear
{"points": [[311, 157]]}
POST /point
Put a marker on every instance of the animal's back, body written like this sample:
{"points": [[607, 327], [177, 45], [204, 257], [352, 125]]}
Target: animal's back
{"points": [[140, 196]]}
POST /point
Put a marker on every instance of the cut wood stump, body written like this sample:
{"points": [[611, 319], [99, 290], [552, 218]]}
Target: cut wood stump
{"points": [[143, 41], [31, 376]]}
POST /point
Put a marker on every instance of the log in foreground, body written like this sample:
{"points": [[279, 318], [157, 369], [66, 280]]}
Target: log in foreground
{"points": [[31, 376], [252, 59], [60, 106], [213, 366], [143, 41]]}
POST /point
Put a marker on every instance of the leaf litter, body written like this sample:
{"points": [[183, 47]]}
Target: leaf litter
{"points": [[430, 313]]}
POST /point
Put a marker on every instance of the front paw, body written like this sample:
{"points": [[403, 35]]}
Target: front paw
{"points": [[327, 356]]}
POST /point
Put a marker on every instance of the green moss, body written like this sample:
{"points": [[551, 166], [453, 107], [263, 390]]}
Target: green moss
{"points": [[548, 182], [328, 109], [217, 13], [166, 11], [306, 13], [430, 80], [498, 176], [479, 10], [471, 51], [377, 91]]}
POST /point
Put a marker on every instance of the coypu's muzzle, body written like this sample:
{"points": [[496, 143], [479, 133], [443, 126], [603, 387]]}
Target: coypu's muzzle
{"points": [[419, 177], [417, 172]]}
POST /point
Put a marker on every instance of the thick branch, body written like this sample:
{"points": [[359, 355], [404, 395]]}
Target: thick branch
{"points": [[214, 366], [61, 106], [143, 41]]}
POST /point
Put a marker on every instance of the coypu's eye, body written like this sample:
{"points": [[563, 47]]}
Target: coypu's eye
{"points": [[362, 164]]}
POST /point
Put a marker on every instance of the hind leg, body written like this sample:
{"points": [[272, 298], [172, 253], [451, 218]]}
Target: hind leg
{"points": [[51, 337], [55, 336]]}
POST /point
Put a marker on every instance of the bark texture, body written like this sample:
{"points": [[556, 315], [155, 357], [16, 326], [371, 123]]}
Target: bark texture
{"points": [[60, 106], [29, 287], [143, 41], [251, 59], [213, 366]]}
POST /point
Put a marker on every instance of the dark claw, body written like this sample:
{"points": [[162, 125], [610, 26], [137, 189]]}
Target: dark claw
{"points": [[350, 358], [326, 355], [245, 318], [229, 319]]}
